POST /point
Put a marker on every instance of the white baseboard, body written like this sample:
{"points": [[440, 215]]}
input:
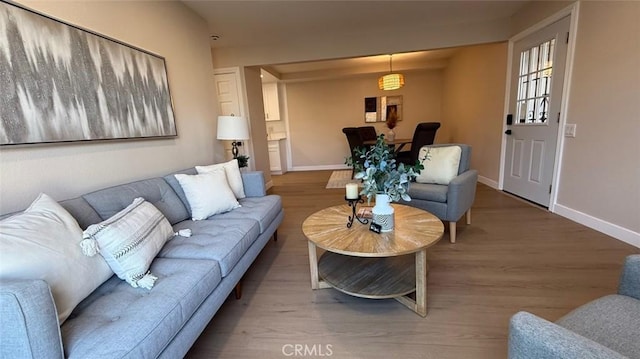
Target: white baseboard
{"points": [[489, 182], [320, 168], [613, 230]]}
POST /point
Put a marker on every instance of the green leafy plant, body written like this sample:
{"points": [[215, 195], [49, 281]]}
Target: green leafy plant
{"points": [[243, 161], [379, 172]]}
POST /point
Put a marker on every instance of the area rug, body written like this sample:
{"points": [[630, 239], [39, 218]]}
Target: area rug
{"points": [[339, 179]]}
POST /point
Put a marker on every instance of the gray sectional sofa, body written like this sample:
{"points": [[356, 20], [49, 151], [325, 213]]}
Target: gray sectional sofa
{"points": [[196, 275]]}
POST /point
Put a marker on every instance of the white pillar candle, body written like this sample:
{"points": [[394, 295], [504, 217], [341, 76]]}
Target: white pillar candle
{"points": [[352, 191]]}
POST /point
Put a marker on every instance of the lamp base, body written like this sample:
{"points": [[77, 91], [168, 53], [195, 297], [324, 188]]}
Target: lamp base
{"points": [[234, 148]]}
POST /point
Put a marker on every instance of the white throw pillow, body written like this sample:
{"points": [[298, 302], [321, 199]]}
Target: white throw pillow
{"points": [[440, 164], [207, 193], [42, 243], [234, 177], [129, 241]]}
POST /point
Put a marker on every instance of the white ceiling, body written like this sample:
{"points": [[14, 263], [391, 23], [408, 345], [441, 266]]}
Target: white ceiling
{"points": [[259, 23]]}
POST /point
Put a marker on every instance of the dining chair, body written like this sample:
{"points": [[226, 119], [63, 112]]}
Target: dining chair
{"points": [[424, 134], [368, 133], [354, 138]]}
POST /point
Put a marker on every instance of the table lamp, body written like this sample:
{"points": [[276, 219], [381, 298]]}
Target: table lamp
{"points": [[233, 128]]}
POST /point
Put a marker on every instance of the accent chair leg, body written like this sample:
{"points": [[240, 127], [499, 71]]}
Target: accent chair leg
{"points": [[238, 290], [469, 216], [275, 236], [452, 232]]}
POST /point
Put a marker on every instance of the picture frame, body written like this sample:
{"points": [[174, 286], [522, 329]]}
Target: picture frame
{"points": [[63, 83], [378, 109], [391, 105]]}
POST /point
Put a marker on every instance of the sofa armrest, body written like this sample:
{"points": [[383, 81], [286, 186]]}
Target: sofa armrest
{"points": [[253, 182], [630, 278], [461, 194], [533, 337], [28, 320]]}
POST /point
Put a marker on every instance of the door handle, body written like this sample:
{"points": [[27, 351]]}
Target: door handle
{"points": [[507, 132]]}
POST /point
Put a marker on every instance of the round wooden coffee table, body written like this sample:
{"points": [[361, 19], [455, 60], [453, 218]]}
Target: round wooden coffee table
{"points": [[366, 264]]}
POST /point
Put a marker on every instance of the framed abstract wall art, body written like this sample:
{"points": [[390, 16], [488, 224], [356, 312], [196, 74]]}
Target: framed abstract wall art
{"points": [[61, 83]]}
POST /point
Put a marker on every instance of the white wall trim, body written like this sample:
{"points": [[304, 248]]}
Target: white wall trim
{"points": [[613, 230], [320, 168], [487, 181]]}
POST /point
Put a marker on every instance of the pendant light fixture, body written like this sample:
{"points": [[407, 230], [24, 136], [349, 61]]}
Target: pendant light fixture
{"points": [[391, 81]]}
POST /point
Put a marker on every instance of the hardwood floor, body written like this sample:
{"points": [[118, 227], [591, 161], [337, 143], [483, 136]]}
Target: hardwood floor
{"points": [[514, 256]]}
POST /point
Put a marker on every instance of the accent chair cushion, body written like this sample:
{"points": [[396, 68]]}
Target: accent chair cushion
{"points": [[129, 241], [440, 164], [612, 320], [43, 243]]}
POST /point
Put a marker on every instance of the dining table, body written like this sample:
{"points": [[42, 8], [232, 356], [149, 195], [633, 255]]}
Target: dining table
{"points": [[397, 143]]}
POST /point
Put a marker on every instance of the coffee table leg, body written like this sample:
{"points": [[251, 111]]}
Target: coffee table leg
{"points": [[419, 305], [313, 266], [421, 283], [316, 282]]}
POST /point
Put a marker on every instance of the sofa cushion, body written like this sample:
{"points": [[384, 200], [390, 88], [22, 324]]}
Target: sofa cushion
{"points": [[232, 171], [129, 241], [223, 240], [208, 193], [156, 191], [177, 188], [129, 322], [428, 192], [80, 209], [262, 209], [43, 242], [613, 321]]}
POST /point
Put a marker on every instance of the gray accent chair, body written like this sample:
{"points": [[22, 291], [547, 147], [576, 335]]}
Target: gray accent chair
{"points": [[608, 327], [448, 202]]}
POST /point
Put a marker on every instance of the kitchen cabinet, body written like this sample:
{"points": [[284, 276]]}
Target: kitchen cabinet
{"points": [[277, 156], [271, 102]]}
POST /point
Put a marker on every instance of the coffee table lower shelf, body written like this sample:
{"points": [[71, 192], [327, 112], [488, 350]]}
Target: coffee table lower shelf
{"points": [[366, 277]]}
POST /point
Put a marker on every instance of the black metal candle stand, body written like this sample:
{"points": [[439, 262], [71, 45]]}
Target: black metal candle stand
{"points": [[353, 203]]}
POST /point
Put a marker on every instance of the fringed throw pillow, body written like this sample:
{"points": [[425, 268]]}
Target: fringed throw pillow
{"points": [[129, 241]]}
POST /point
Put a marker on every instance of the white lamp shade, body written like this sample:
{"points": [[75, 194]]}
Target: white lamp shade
{"points": [[232, 128]]}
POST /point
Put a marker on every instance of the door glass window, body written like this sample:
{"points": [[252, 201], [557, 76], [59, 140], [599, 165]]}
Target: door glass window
{"points": [[534, 83]]}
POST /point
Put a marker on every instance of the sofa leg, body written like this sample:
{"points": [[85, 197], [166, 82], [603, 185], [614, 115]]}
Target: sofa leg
{"points": [[469, 216], [275, 236], [238, 290], [452, 232]]}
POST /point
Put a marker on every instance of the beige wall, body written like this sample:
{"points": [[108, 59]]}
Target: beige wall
{"points": [[473, 104], [318, 110], [255, 109], [600, 173], [168, 29]]}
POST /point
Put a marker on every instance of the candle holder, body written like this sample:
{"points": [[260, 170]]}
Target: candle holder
{"points": [[353, 203]]}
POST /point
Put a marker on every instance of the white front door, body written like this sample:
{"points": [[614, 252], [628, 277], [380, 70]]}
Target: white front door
{"points": [[534, 112]]}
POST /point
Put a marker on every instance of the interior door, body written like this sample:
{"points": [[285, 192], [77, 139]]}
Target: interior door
{"points": [[534, 112], [228, 101]]}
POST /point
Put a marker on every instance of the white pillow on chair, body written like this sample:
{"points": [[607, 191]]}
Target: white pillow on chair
{"points": [[440, 164]]}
